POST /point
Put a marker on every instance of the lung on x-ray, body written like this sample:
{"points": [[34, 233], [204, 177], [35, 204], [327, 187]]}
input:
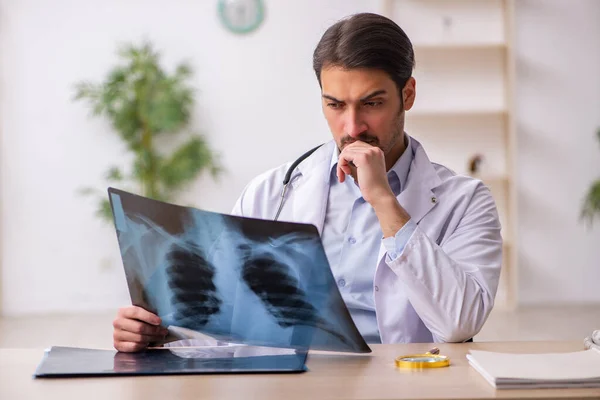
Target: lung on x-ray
{"points": [[230, 278]]}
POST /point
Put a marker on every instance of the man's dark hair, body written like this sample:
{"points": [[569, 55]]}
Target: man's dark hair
{"points": [[366, 40]]}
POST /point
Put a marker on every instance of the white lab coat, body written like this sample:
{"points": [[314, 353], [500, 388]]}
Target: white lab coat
{"points": [[442, 287]]}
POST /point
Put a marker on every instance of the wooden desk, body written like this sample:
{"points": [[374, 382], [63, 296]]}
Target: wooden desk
{"points": [[330, 376]]}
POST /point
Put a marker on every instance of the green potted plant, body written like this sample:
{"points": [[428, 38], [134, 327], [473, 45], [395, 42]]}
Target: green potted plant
{"points": [[591, 204], [143, 103]]}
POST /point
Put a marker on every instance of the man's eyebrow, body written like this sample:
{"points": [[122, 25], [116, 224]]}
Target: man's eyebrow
{"points": [[375, 93], [326, 96], [365, 98]]}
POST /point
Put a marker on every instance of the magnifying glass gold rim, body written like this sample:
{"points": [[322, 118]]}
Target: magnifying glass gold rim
{"points": [[435, 361]]}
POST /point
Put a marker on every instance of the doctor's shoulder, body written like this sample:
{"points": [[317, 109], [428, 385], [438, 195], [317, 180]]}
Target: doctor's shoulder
{"points": [[461, 189], [462, 204], [260, 196]]}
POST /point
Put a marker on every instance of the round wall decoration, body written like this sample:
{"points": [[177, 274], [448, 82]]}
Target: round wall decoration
{"points": [[241, 16]]}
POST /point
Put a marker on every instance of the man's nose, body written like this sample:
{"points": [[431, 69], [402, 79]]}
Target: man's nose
{"points": [[355, 126]]}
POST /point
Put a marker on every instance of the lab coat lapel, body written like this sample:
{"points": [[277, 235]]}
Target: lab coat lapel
{"points": [[311, 188], [418, 197]]}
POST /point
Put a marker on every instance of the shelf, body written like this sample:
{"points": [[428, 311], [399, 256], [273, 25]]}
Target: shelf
{"points": [[491, 180], [443, 21], [458, 46], [494, 180], [506, 249], [455, 113]]}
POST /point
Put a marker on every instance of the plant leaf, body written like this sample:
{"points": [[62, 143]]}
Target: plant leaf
{"points": [[104, 211], [87, 191], [114, 174], [591, 205], [186, 163]]}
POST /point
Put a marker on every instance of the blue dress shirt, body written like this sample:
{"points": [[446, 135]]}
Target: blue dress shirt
{"points": [[352, 237]]}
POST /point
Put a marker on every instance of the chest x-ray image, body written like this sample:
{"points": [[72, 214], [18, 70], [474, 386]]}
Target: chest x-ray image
{"points": [[230, 278]]}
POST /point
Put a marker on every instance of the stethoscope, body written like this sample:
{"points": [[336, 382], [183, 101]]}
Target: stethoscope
{"points": [[288, 176]]}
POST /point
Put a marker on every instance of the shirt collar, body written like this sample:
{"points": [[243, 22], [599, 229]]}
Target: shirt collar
{"points": [[397, 175]]}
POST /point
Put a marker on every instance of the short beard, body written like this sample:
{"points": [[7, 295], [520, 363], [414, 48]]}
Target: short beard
{"points": [[364, 137], [369, 139]]}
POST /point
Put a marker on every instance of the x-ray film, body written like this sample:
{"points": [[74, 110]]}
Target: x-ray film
{"points": [[233, 279]]}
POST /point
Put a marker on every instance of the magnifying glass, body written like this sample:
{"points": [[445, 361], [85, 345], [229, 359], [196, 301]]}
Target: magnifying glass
{"points": [[431, 359]]}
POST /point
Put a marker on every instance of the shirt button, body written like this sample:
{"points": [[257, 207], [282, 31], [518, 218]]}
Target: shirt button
{"points": [[377, 288], [342, 282], [393, 255], [351, 240]]}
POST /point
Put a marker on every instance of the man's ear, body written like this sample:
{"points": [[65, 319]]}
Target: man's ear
{"points": [[409, 93]]}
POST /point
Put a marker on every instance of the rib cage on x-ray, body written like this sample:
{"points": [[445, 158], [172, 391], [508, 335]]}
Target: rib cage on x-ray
{"points": [[191, 280], [194, 294], [269, 278], [236, 279]]}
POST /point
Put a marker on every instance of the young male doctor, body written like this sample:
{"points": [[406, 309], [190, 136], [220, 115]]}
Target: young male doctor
{"points": [[416, 249]]}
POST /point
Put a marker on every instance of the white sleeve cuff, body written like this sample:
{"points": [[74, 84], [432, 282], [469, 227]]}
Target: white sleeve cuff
{"points": [[395, 244]]}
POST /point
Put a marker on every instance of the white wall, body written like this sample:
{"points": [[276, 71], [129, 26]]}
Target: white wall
{"points": [[558, 113], [258, 105]]}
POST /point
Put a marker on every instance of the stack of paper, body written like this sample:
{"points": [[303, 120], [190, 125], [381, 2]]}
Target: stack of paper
{"points": [[551, 370]]}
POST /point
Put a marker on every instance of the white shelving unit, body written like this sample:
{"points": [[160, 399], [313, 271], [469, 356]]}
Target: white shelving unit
{"points": [[464, 107]]}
